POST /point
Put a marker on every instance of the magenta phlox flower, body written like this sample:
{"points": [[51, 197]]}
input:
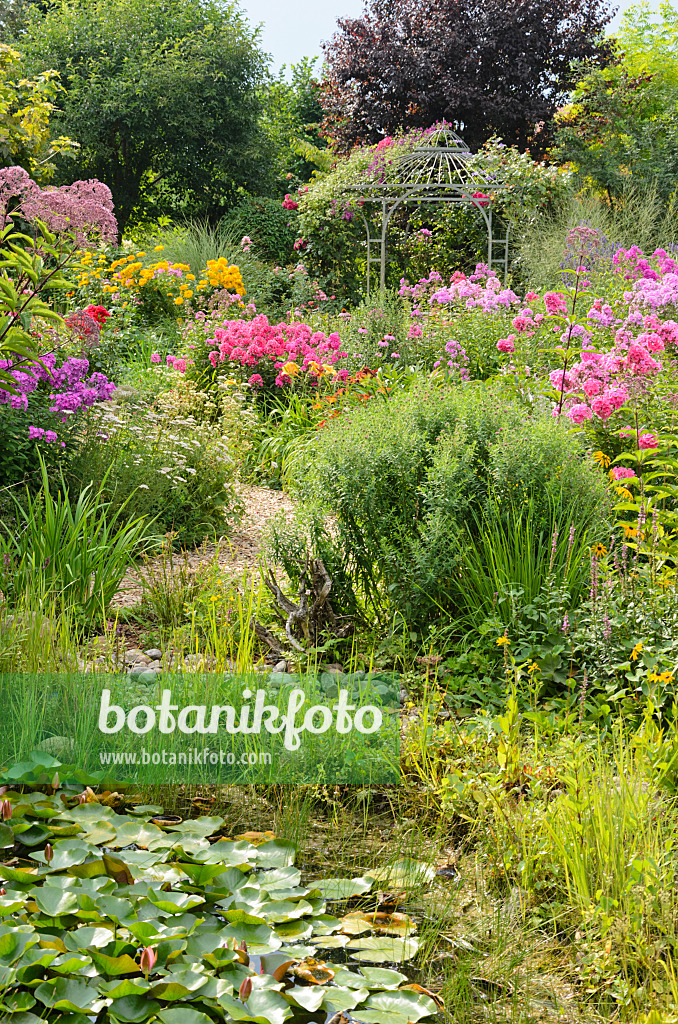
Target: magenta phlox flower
{"points": [[622, 473], [555, 303]]}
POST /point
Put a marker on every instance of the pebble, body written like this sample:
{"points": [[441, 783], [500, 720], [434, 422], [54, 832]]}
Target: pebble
{"points": [[136, 657], [154, 653], [149, 676], [281, 667]]}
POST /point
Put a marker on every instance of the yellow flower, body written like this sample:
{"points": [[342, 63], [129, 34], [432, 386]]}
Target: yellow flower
{"points": [[629, 531], [178, 301], [188, 293], [159, 248], [502, 641], [602, 459], [330, 371], [636, 651], [598, 550], [190, 277], [140, 254], [291, 369]]}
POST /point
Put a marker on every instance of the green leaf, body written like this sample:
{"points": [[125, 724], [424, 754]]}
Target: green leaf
{"points": [[133, 1009], [275, 854], [6, 837], [178, 984], [309, 997], [53, 902], [412, 1006], [405, 873], [285, 910], [66, 994], [337, 998], [184, 1015], [67, 853], [382, 949], [114, 966], [381, 977], [343, 888]]}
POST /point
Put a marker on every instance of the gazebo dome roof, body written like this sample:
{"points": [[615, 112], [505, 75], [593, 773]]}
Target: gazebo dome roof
{"points": [[440, 158]]}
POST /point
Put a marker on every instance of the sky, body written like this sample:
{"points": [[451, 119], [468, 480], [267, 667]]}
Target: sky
{"points": [[293, 29]]}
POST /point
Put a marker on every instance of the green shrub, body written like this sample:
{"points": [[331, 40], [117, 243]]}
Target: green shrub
{"points": [[268, 225], [172, 468], [408, 482]]}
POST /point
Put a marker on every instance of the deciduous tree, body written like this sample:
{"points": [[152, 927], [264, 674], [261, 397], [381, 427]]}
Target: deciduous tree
{"points": [[496, 67], [161, 94]]}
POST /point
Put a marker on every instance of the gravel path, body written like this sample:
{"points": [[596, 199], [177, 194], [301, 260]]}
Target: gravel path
{"points": [[242, 549]]}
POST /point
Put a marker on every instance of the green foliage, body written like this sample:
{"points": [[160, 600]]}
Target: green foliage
{"points": [[407, 482], [26, 106], [161, 96], [28, 273], [168, 466], [71, 553], [650, 45], [290, 118], [267, 224], [177, 954], [621, 128], [638, 216]]}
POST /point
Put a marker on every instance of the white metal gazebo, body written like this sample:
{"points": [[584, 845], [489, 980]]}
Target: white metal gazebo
{"points": [[437, 170]]}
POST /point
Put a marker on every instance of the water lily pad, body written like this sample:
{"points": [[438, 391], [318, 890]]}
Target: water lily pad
{"points": [[203, 826], [140, 833], [184, 1015], [177, 985], [67, 994], [309, 997], [285, 910], [10, 904], [133, 1009], [413, 1007], [67, 853], [340, 998], [277, 853], [100, 833], [405, 873], [383, 949], [343, 888], [114, 966], [331, 941], [294, 931], [54, 902], [382, 977]]}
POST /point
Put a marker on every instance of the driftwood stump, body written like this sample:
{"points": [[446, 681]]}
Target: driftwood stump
{"points": [[312, 618]]}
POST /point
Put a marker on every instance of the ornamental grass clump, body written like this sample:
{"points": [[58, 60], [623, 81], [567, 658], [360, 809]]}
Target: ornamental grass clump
{"points": [[70, 553]]}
